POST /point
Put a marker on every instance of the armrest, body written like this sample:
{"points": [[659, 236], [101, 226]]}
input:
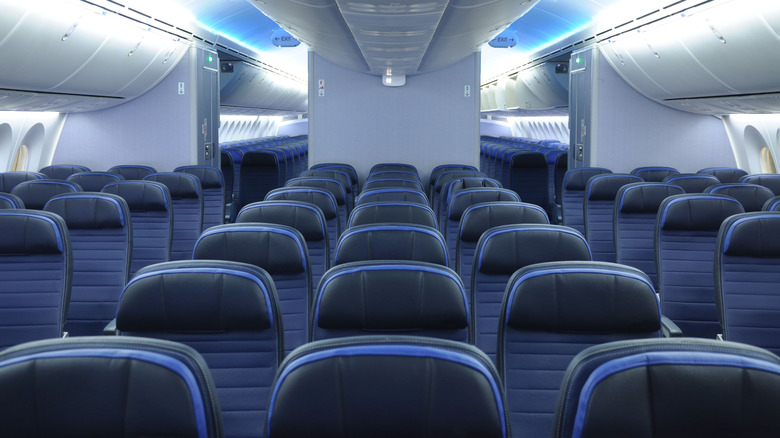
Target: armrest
{"points": [[110, 328], [669, 329]]}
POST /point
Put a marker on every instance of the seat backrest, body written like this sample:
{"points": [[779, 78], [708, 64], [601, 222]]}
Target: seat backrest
{"points": [[391, 297], [384, 167], [229, 313], [686, 232], [391, 242], [304, 217], [260, 172], [323, 199], [438, 388], [724, 174], [10, 202], [406, 175], [36, 268], [768, 180], [398, 212], [654, 173], [278, 249], [109, 386], [456, 186], [529, 177], [132, 172], [212, 183], [772, 204], [338, 175], [447, 176], [747, 272], [479, 218], [564, 307], [333, 186], [381, 183], [751, 196], [692, 182], [187, 201], [503, 250], [349, 169], [9, 180], [94, 181], [392, 194], [573, 195], [676, 387], [151, 214], [636, 207], [36, 193], [62, 171], [102, 240], [459, 202], [599, 210]]}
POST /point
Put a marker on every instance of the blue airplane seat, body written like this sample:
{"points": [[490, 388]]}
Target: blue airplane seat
{"points": [[391, 297], [747, 272], [229, 313], [349, 169], [340, 176], [333, 186], [213, 185], [278, 249], [459, 202], [94, 181], [404, 175], [9, 180], [260, 172], [686, 233], [772, 204], [36, 193], [388, 386], [151, 215], [503, 250], [444, 178], [101, 238], [397, 212], [10, 202], [529, 176], [382, 167], [751, 196], [132, 171], [675, 387], [187, 200], [107, 386], [692, 182], [573, 195], [654, 173], [599, 210], [36, 266], [636, 208], [768, 180], [456, 185], [304, 217], [62, 171], [438, 170], [391, 242], [479, 218], [552, 311], [725, 175], [392, 194], [381, 183]]}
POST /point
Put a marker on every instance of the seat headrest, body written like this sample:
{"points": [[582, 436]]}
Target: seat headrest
{"points": [[751, 235], [322, 198], [447, 176], [132, 172], [32, 232], [391, 296], [391, 194], [644, 198], [260, 158], [331, 185], [480, 217], [463, 199], [8, 180], [529, 159], [594, 297], [278, 249], [210, 177], [9, 201], [303, 216], [577, 179], [180, 185], [505, 249], [89, 210], [654, 173], [692, 182], [35, 193], [94, 181], [391, 242], [62, 171], [452, 383], [399, 212], [605, 187], [702, 212], [751, 196], [142, 195], [231, 296]]}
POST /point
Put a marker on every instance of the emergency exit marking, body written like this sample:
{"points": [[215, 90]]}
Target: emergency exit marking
{"points": [[321, 87], [467, 91], [181, 87]]}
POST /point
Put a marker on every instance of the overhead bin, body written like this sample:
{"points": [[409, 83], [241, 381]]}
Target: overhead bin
{"points": [[61, 56], [714, 59], [249, 86]]}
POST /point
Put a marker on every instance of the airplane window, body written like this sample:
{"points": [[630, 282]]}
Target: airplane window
{"points": [[767, 161], [20, 159]]}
